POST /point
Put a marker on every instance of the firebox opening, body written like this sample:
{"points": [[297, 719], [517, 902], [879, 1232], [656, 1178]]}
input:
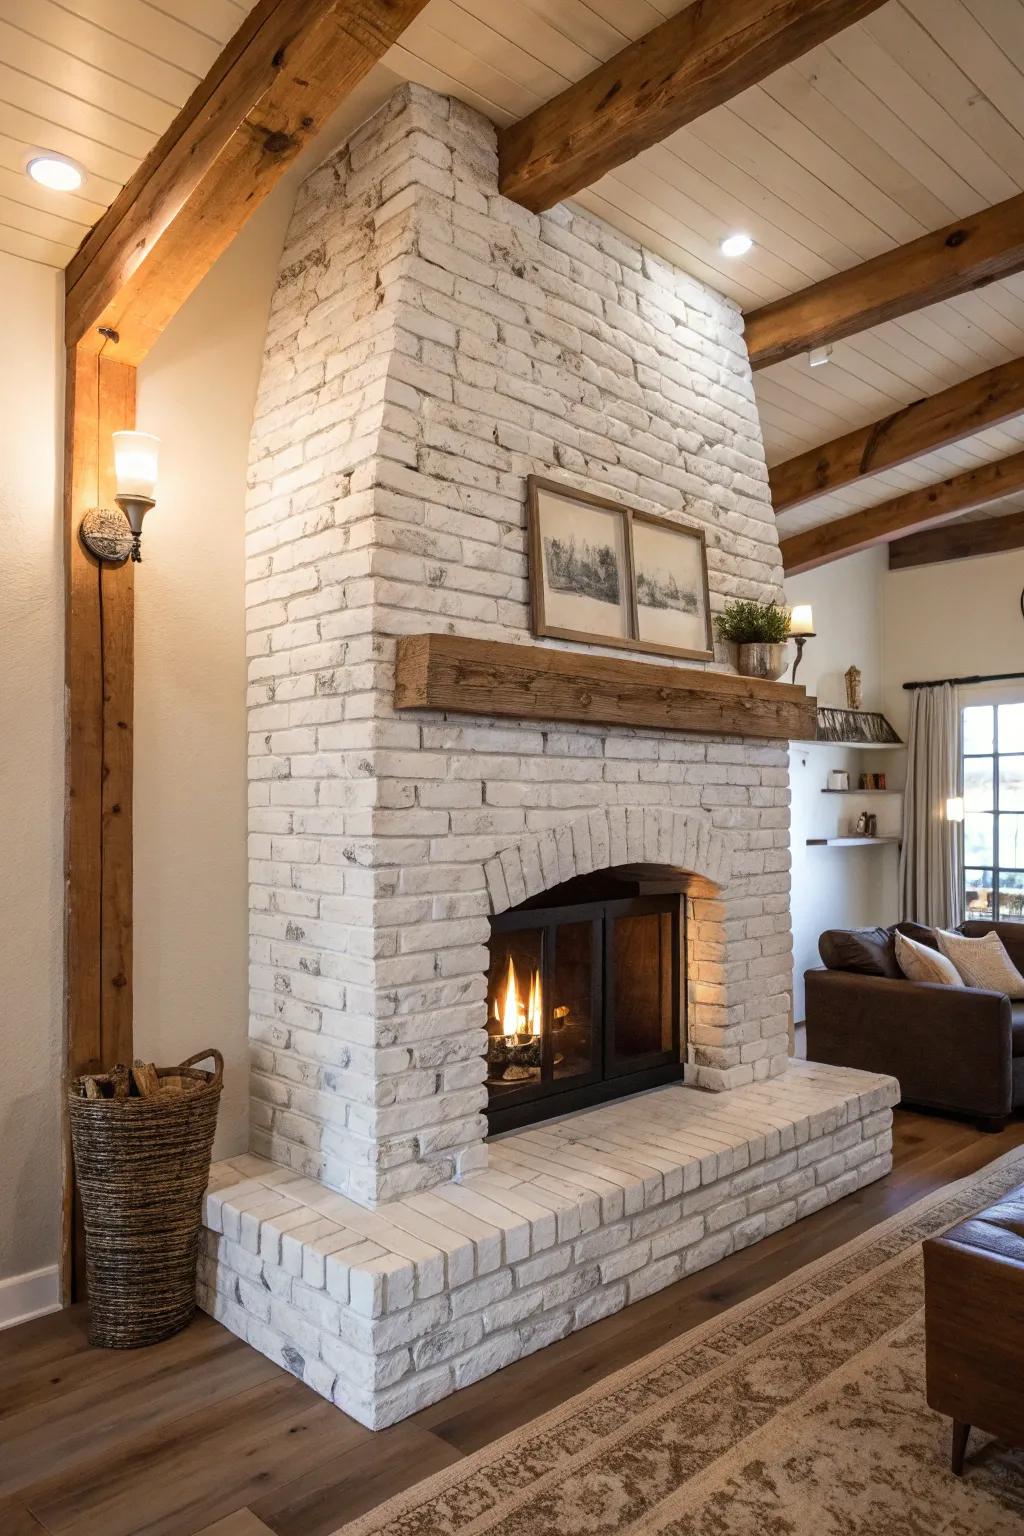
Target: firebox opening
{"points": [[585, 994]]}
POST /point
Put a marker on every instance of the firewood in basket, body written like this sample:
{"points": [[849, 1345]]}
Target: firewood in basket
{"points": [[146, 1079], [92, 1088]]}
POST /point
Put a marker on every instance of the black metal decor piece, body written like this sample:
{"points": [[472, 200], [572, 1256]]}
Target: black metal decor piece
{"points": [[589, 1043]]}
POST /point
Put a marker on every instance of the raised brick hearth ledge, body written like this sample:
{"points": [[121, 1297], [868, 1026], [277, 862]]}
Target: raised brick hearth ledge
{"points": [[386, 1311]]}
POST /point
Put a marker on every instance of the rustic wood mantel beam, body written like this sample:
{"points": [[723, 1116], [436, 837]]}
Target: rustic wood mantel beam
{"points": [[962, 256], [902, 515], [534, 682], [675, 73], [289, 66], [982, 401], [958, 541]]}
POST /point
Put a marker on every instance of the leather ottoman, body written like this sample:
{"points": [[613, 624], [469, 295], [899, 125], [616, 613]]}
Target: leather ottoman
{"points": [[974, 1321]]}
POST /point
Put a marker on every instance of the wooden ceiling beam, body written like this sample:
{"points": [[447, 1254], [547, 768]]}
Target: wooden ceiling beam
{"points": [[675, 73], [982, 401], [956, 259], [903, 514], [289, 66], [958, 541]]}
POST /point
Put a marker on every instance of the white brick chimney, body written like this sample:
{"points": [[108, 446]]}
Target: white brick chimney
{"points": [[431, 344]]}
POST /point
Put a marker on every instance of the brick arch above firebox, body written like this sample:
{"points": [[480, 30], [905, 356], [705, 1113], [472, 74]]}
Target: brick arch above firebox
{"points": [[606, 838]]}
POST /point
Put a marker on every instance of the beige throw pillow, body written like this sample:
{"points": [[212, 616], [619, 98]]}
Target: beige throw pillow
{"points": [[982, 962], [919, 963]]}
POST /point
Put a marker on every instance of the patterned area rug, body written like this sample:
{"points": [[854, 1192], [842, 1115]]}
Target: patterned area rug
{"points": [[799, 1413]]}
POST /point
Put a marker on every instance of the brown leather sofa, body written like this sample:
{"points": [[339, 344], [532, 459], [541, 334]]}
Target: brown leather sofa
{"points": [[974, 1323], [957, 1049]]}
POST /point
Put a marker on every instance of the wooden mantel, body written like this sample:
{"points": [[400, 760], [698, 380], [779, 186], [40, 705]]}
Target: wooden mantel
{"points": [[533, 682]]}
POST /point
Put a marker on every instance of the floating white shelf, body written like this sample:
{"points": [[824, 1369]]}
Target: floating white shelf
{"points": [[847, 842], [862, 791]]}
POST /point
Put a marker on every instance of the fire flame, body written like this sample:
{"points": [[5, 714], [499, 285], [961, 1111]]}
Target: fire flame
{"points": [[519, 1017]]}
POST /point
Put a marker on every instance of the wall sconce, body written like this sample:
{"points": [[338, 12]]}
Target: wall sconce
{"points": [[801, 629], [113, 536], [955, 808]]}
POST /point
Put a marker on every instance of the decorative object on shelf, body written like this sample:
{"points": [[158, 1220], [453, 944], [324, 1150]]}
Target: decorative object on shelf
{"points": [[113, 536], [142, 1140], [855, 727], [838, 779], [801, 629], [874, 783], [759, 632], [866, 825], [612, 575], [854, 691]]}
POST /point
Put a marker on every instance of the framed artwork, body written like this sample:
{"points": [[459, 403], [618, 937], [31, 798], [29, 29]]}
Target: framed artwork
{"points": [[612, 575]]}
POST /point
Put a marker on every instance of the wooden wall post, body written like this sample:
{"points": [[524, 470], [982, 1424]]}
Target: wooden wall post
{"points": [[99, 682]]}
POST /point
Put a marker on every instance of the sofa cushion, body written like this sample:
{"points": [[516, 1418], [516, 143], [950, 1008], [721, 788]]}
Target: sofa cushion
{"points": [[1017, 1027], [919, 962], [982, 962], [866, 951]]}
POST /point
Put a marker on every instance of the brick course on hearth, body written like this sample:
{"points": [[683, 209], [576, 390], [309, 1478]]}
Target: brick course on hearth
{"points": [[429, 345]]}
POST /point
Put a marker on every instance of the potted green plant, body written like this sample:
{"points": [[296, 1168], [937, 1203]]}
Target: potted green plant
{"points": [[759, 631]]}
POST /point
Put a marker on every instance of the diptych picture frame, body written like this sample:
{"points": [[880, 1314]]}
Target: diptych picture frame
{"points": [[610, 574]]}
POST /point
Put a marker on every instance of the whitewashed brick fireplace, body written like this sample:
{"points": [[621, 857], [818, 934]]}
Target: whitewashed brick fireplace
{"points": [[430, 345]]}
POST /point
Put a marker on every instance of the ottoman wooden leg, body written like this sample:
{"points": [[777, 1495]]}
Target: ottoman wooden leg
{"points": [[960, 1434]]}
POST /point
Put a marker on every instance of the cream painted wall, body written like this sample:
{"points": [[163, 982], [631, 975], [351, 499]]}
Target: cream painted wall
{"points": [[840, 887], [954, 620], [196, 392], [31, 766]]}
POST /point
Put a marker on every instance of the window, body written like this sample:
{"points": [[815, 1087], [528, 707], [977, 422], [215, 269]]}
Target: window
{"points": [[993, 764]]}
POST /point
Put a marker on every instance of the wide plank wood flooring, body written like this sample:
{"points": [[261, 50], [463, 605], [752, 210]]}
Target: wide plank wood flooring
{"points": [[201, 1436]]}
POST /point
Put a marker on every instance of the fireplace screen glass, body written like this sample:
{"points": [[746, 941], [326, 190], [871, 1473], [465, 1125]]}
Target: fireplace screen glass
{"points": [[582, 1000]]}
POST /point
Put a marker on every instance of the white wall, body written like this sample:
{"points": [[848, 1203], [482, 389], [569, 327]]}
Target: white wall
{"points": [[196, 392], [840, 887], [953, 620], [31, 766]]}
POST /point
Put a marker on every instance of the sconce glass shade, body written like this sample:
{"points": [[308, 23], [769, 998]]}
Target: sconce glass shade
{"points": [[801, 620], [135, 462], [955, 808]]}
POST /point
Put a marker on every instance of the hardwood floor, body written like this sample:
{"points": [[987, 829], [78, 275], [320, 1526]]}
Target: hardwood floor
{"points": [[201, 1436]]}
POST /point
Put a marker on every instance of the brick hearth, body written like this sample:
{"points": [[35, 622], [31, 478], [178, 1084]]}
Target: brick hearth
{"points": [[387, 1311]]}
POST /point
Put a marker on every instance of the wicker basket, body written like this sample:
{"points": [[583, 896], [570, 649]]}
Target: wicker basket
{"points": [[142, 1166]]}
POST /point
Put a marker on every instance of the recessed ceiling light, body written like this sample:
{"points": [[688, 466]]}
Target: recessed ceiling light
{"points": [[56, 173], [736, 245]]}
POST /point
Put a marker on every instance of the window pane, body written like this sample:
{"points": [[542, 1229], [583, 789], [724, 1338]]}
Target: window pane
{"points": [[1011, 842], [1011, 784], [978, 839], [978, 783], [979, 892], [978, 719], [1011, 895], [1011, 727]]}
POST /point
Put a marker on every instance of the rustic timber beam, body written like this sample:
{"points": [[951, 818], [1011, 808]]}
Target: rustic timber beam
{"points": [[956, 259], [983, 401], [903, 514], [533, 682], [289, 66], [99, 644], [675, 73], [958, 541]]}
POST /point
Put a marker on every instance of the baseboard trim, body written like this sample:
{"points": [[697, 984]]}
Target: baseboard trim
{"points": [[23, 1297]]}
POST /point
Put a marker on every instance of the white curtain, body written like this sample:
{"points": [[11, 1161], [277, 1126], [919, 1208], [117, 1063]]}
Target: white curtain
{"points": [[931, 877]]}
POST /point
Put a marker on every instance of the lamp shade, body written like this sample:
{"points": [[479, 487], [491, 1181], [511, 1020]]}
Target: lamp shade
{"points": [[955, 808], [135, 461], [801, 620]]}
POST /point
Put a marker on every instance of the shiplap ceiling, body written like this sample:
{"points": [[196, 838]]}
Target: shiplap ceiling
{"points": [[902, 123]]}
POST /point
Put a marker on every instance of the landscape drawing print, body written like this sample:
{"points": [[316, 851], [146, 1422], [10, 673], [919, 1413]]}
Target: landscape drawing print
{"points": [[670, 585], [583, 566]]}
